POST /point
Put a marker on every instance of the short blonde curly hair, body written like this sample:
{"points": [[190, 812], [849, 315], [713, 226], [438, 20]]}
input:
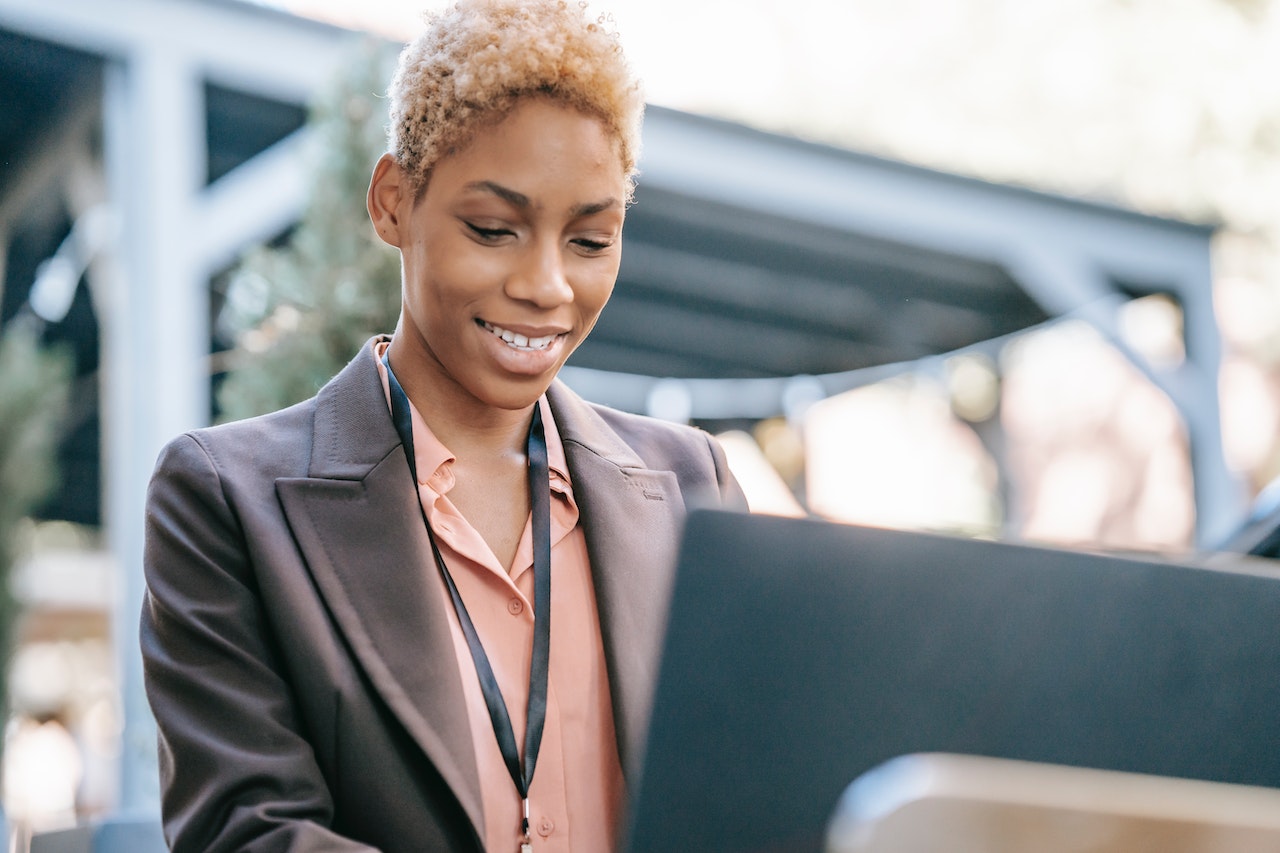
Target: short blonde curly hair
{"points": [[477, 59]]}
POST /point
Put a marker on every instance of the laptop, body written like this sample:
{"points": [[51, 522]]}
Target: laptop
{"points": [[800, 654]]}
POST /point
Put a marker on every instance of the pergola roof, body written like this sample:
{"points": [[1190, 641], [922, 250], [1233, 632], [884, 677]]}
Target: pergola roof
{"points": [[709, 289], [750, 254]]}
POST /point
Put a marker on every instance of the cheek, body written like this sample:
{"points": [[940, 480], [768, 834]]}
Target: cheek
{"points": [[438, 274], [595, 280], [595, 295]]}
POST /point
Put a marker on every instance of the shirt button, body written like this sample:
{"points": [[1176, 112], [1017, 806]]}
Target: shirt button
{"points": [[546, 827], [515, 607]]}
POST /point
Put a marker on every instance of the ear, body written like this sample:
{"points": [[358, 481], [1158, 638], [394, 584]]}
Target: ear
{"points": [[388, 189]]}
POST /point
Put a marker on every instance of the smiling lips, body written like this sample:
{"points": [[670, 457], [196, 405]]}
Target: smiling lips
{"points": [[521, 341]]}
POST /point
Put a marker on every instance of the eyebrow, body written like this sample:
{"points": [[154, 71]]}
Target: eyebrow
{"points": [[591, 208], [522, 201], [514, 198]]}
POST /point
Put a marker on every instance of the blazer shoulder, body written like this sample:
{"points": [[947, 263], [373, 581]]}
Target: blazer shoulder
{"points": [[277, 444], [627, 439], [652, 438], [690, 452]]}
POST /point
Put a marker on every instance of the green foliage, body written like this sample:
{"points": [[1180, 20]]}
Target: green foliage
{"points": [[301, 311]]}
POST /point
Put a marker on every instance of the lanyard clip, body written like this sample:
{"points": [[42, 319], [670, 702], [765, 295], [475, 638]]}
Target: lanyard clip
{"points": [[527, 845]]}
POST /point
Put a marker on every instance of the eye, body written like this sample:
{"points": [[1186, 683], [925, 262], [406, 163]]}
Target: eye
{"points": [[592, 247], [488, 235]]}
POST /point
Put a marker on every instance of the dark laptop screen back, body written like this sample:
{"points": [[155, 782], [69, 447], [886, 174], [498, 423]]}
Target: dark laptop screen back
{"points": [[801, 654]]}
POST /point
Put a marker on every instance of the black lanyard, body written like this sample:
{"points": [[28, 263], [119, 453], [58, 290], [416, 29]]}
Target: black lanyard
{"points": [[540, 503]]}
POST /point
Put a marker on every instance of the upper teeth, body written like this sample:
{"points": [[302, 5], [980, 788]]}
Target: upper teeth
{"points": [[520, 341]]}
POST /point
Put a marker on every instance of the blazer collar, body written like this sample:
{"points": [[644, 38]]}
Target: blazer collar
{"points": [[353, 428]]}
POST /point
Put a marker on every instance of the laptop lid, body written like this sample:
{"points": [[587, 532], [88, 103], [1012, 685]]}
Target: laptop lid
{"points": [[799, 654]]}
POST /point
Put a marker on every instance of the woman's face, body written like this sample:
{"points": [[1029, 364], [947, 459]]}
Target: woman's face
{"points": [[509, 256]]}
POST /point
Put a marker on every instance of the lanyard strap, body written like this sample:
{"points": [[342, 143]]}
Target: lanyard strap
{"points": [[540, 505]]}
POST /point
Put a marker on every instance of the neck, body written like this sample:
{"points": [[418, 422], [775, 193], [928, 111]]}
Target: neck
{"points": [[499, 438], [468, 427]]}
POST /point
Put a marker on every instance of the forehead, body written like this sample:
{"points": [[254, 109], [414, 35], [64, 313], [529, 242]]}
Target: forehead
{"points": [[538, 146]]}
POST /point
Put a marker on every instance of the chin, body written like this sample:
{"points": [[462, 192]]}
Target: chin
{"points": [[515, 396]]}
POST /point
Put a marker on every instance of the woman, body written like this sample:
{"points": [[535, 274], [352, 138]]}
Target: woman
{"points": [[347, 635]]}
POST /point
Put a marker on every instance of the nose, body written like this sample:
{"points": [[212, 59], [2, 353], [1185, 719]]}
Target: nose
{"points": [[541, 277]]}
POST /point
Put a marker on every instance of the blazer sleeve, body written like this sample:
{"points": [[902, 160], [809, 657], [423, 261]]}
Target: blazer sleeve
{"points": [[236, 771]]}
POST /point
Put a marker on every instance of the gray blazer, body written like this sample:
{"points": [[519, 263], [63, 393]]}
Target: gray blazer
{"points": [[297, 652]]}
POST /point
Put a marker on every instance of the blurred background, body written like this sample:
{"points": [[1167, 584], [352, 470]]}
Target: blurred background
{"points": [[995, 268]]}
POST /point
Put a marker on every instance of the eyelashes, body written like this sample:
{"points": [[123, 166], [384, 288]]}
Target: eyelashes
{"points": [[593, 246], [489, 235], [495, 236]]}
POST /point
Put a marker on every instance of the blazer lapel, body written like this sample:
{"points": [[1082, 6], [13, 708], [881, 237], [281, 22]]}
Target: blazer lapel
{"points": [[632, 519], [358, 526]]}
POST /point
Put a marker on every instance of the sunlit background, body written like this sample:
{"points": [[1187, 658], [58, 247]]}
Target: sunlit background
{"points": [[1168, 107]]}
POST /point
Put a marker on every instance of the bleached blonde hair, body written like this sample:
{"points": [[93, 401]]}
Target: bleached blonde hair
{"points": [[476, 61]]}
